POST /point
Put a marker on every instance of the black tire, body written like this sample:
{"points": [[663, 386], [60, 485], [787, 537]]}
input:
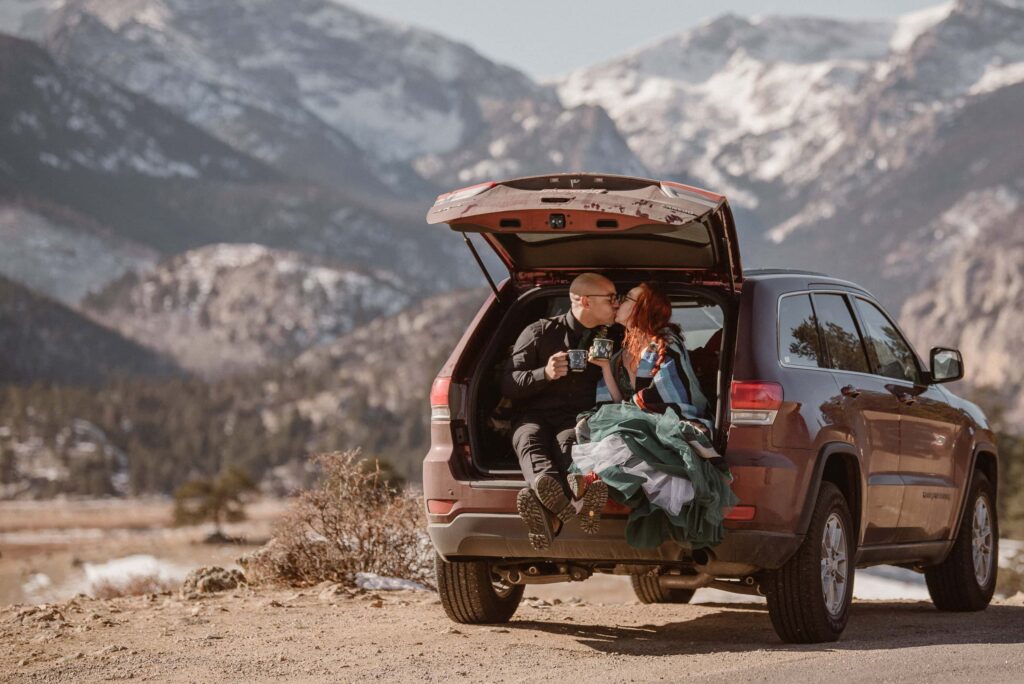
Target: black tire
{"points": [[471, 595], [954, 584], [649, 590], [796, 591]]}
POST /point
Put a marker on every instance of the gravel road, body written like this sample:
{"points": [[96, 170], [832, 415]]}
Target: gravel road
{"points": [[328, 635]]}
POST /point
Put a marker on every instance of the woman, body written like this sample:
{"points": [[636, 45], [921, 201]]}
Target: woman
{"points": [[650, 440]]}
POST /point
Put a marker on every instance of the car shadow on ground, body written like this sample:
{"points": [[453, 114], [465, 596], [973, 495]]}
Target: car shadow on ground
{"points": [[746, 627]]}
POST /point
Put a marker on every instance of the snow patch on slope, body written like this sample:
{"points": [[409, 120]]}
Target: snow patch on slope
{"points": [[911, 25], [62, 262]]}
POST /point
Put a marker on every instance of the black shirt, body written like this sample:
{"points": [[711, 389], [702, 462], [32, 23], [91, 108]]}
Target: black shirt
{"points": [[523, 380]]}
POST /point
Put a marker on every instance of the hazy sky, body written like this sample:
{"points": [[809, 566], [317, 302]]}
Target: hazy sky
{"points": [[551, 37]]}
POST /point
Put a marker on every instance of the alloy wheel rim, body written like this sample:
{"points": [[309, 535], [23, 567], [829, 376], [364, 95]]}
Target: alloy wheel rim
{"points": [[981, 541], [834, 565]]}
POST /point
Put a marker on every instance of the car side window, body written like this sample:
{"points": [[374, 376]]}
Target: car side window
{"points": [[799, 344], [890, 352], [840, 334]]}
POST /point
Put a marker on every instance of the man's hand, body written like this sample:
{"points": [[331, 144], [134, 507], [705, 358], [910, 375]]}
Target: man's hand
{"points": [[558, 366]]}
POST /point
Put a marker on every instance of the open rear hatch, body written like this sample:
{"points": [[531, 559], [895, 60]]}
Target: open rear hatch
{"points": [[543, 225]]}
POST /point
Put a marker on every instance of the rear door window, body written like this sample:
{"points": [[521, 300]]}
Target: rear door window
{"points": [[799, 344], [888, 350], [840, 333]]}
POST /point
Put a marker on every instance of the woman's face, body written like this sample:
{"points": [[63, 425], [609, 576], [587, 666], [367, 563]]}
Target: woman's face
{"points": [[626, 305]]}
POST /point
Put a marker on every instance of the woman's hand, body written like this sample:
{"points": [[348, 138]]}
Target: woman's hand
{"points": [[600, 363]]}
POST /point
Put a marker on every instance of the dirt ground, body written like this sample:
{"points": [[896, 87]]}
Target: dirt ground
{"points": [[594, 631], [318, 635]]}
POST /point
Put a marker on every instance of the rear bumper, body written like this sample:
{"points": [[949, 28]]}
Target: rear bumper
{"points": [[503, 536]]}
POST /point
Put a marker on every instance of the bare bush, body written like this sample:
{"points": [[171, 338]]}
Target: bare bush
{"points": [[134, 585], [355, 520]]}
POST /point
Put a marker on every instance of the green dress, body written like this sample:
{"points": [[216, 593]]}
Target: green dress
{"points": [[658, 441]]}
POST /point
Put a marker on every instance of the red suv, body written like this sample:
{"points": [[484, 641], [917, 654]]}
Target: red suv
{"points": [[846, 449]]}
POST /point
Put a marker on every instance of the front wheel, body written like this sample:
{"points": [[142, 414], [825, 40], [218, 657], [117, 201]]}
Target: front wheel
{"points": [[473, 595], [966, 580], [809, 597]]}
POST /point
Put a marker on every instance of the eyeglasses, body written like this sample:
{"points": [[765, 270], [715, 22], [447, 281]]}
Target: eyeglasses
{"points": [[612, 297]]}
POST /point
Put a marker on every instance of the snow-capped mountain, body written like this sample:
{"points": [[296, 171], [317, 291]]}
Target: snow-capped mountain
{"points": [[800, 119], [67, 118], [325, 92], [736, 101], [89, 167], [225, 309]]}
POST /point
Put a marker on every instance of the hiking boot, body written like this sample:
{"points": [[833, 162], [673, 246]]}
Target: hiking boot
{"points": [[591, 494], [538, 521], [552, 495]]}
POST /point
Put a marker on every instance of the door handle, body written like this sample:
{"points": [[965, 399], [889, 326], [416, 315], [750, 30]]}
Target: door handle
{"points": [[850, 391], [903, 395]]}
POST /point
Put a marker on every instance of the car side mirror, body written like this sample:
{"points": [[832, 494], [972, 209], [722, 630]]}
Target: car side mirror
{"points": [[947, 365]]}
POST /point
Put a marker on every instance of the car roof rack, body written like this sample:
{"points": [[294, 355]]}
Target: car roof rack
{"points": [[786, 271]]}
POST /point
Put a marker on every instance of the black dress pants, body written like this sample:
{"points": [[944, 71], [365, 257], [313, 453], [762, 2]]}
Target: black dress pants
{"points": [[543, 443]]}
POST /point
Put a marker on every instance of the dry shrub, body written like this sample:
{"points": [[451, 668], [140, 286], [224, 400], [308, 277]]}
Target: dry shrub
{"points": [[355, 520], [135, 585]]}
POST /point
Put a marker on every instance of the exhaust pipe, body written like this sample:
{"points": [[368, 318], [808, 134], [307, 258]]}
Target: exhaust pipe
{"points": [[748, 585], [701, 579]]}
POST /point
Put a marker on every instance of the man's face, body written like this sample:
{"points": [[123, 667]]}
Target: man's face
{"points": [[602, 303]]}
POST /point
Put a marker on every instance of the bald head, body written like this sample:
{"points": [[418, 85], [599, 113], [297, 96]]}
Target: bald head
{"points": [[593, 300], [590, 283]]}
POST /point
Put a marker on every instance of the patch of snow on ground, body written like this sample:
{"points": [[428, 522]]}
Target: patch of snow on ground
{"points": [[36, 584], [119, 571], [371, 580]]}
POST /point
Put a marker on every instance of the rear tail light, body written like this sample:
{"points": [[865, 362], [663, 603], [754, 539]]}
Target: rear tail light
{"points": [[754, 403], [439, 407], [447, 401]]}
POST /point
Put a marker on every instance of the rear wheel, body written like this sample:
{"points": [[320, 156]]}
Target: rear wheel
{"points": [[809, 597], [649, 590], [966, 580], [472, 594]]}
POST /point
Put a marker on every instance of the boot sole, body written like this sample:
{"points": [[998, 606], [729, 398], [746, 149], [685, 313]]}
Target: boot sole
{"points": [[538, 521], [593, 502], [551, 494]]}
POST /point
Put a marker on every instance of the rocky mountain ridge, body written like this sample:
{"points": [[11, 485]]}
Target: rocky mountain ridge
{"points": [[96, 175], [323, 91], [226, 309]]}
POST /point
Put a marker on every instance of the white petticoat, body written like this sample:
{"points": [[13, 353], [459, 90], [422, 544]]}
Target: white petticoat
{"points": [[668, 492]]}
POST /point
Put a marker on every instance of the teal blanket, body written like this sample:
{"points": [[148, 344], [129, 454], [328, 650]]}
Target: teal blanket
{"points": [[660, 440]]}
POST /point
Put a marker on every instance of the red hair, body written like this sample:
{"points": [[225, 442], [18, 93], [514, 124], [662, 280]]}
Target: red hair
{"points": [[651, 314]]}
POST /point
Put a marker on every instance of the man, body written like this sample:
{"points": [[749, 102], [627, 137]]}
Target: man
{"points": [[547, 397]]}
